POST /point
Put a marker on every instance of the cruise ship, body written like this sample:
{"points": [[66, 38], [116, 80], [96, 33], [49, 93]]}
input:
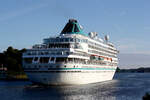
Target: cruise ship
{"points": [[71, 58]]}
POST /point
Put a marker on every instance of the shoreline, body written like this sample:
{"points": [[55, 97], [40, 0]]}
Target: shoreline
{"points": [[7, 79]]}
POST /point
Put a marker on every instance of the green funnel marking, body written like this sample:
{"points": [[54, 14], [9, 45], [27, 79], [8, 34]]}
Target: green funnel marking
{"points": [[72, 27]]}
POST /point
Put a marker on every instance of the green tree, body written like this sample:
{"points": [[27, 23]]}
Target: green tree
{"points": [[146, 96], [13, 59], [118, 69], [1, 59]]}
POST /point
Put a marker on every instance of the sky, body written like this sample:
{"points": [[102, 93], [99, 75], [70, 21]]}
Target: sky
{"points": [[24, 23], [131, 60]]}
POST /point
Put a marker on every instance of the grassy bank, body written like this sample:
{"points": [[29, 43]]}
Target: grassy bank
{"points": [[11, 75]]}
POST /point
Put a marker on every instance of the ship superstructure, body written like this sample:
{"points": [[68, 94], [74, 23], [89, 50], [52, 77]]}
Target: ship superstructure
{"points": [[72, 57]]}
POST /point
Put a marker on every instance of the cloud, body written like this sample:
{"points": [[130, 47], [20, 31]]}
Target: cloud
{"points": [[55, 7], [128, 48], [132, 45], [133, 60]]}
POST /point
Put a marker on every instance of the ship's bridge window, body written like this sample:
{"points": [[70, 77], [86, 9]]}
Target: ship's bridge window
{"points": [[52, 40], [45, 41], [59, 45], [28, 53], [60, 59], [77, 40], [44, 59], [81, 40], [61, 40], [57, 40], [28, 60], [52, 59], [71, 39], [36, 59], [66, 39]]}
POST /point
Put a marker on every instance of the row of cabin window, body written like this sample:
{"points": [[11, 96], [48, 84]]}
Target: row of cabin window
{"points": [[100, 53], [36, 59], [59, 59], [58, 45], [73, 40], [100, 49], [51, 59], [47, 53], [64, 40], [58, 53], [98, 45]]}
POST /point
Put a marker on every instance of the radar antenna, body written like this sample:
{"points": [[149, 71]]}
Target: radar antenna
{"points": [[106, 38]]}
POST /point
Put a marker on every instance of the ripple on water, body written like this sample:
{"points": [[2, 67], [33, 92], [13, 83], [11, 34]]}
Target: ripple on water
{"points": [[124, 87]]}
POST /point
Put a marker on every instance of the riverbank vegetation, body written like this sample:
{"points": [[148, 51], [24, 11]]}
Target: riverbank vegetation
{"points": [[136, 70], [12, 60], [146, 96]]}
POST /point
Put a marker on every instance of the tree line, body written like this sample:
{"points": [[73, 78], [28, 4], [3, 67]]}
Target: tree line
{"points": [[12, 59], [136, 70]]}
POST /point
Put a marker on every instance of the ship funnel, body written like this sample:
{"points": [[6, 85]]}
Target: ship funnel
{"points": [[106, 38], [72, 20], [72, 27]]}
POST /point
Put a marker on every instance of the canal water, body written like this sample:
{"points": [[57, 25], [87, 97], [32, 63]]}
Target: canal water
{"points": [[124, 86]]}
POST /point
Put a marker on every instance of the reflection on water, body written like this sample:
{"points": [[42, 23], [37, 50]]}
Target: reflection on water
{"points": [[82, 92], [123, 87]]}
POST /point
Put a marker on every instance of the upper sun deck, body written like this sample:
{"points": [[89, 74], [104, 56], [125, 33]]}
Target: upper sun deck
{"points": [[76, 38], [73, 33]]}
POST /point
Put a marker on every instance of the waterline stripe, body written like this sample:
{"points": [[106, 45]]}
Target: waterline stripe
{"points": [[82, 69]]}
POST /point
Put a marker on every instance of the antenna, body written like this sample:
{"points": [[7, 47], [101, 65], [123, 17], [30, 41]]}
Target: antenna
{"points": [[106, 38]]}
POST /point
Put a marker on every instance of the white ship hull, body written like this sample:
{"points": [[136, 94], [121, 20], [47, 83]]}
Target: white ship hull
{"points": [[71, 58], [70, 78]]}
